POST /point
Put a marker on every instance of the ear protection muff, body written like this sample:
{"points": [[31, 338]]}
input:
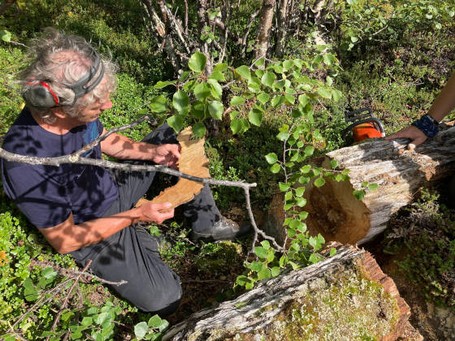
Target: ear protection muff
{"points": [[39, 94]]}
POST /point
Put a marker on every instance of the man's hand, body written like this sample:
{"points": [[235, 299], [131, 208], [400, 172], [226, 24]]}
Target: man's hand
{"points": [[166, 155], [156, 213], [413, 133]]}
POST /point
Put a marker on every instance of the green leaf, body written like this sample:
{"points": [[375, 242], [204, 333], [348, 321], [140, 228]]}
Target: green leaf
{"points": [[197, 62], [264, 274], [263, 97], [324, 93], [277, 101], [314, 258], [176, 122], [268, 79], [271, 158], [304, 100], [237, 100], [319, 182], [299, 192], [202, 91], [239, 125], [244, 72], [140, 330], [275, 271], [255, 117], [275, 168], [30, 292], [199, 130], [216, 89], [305, 169], [158, 104], [102, 318], [5, 35], [283, 136], [284, 186], [309, 150], [162, 84], [261, 252], [218, 72], [181, 102], [216, 109]]}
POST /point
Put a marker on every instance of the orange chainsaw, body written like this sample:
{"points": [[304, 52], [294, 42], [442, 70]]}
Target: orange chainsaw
{"points": [[362, 125]]}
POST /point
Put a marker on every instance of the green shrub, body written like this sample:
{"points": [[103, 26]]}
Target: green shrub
{"points": [[10, 101]]}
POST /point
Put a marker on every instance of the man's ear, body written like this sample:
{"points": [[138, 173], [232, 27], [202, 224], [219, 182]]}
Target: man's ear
{"points": [[58, 112]]}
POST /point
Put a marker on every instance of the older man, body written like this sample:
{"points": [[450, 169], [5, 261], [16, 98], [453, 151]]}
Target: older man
{"points": [[85, 210]]}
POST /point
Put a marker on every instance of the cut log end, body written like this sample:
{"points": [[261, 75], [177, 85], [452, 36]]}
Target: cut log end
{"points": [[333, 211]]}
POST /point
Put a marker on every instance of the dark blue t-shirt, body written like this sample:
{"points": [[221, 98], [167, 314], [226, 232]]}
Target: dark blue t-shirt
{"points": [[48, 194]]}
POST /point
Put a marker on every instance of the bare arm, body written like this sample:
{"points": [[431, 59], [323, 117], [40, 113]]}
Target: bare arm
{"points": [[441, 107], [67, 236], [122, 147]]}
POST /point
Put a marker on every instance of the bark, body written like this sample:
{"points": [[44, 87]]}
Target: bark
{"points": [[347, 294], [400, 174], [265, 26], [282, 21]]}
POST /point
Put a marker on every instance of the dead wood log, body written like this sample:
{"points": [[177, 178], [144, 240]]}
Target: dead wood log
{"points": [[346, 295], [400, 174], [339, 216]]}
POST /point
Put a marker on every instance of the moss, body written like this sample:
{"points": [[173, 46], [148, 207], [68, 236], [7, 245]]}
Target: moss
{"points": [[351, 306]]}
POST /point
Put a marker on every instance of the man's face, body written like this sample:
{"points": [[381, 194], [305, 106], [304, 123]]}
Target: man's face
{"points": [[91, 112]]}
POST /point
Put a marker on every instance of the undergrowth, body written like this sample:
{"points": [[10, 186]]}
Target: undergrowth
{"points": [[423, 235]]}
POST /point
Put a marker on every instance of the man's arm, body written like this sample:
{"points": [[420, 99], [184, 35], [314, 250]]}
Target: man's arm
{"points": [[441, 107], [122, 147], [67, 236]]}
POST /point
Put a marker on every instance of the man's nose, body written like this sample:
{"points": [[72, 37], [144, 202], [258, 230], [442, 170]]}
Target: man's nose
{"points": [[106, 105]]}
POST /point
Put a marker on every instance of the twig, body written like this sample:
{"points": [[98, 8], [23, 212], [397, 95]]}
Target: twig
{"points": [[67, 298], [75, 273]]}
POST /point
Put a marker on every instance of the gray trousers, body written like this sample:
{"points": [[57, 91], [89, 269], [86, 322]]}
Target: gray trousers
{"points": [[132, 253]]}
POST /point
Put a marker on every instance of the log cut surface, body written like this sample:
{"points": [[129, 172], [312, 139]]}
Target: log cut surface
{"points": [[347, 294], [400, 174]]}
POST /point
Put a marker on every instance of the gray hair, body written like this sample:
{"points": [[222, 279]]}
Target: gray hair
{"points": [[61, 60]]}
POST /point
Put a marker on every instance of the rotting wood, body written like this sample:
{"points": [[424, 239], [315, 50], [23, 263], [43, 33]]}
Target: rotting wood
{"points": [[347, 294], [193, 161]]}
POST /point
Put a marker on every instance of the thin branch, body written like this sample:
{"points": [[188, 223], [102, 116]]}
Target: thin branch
{"points": [[67, 298], [75, 273]]}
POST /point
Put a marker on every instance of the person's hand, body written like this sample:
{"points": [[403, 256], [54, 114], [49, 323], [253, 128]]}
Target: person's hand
{"points": [[156, 213], [167, 155], [413, 133]]}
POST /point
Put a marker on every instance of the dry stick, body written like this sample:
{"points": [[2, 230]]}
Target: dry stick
{"points": [[75, 273], [67, 298]]}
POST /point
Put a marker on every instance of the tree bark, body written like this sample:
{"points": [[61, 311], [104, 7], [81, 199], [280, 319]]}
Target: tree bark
{"points": [[267, 12], [347, 294], [282, 20], [400, 174]]}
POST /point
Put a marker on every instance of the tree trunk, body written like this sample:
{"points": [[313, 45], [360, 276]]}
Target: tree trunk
{"points": [[400, 173], [267, 12], [282, 20], [347, 294]]}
